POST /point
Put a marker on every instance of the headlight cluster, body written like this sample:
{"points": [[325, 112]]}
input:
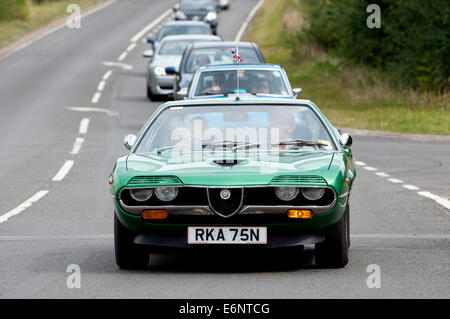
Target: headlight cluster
{"points": [[160, 70], [165, 194], [288, 193]]}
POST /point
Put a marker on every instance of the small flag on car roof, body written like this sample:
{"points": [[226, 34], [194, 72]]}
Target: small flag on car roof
{"points": [[236, 56]]}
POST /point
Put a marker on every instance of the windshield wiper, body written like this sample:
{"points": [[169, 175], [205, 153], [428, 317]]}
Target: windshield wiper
{"points": [[300, 142]]}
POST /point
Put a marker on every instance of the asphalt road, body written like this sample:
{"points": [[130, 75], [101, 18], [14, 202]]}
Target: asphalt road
{"points": [[46, 91]]}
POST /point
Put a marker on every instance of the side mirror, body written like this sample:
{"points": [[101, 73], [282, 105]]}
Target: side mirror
{"points": [[148, 54], [346, 140], [151, 41], [296, 92], [176, 7], [170, 70], [129, 141]]}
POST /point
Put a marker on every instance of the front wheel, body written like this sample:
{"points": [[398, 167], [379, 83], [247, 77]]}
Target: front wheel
{"points": [[128, 254], [333, 252]]}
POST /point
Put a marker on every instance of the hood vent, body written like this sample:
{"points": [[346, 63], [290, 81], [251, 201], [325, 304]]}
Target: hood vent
{"points": [[228, 163]]}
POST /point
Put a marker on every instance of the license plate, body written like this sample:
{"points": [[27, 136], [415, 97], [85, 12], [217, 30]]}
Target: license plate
{"points": [[227, 235]]}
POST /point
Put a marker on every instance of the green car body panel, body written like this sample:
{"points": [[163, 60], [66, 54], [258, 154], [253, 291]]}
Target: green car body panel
{"points": [[335, 170]]}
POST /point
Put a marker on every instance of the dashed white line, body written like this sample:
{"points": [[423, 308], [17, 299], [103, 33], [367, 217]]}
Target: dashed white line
{"points": [[63, 171], [23, 206], [77, 145], [411, 187], [440, 200], [370, 168], [96, 97], [92, 109], [84, 124], [131, 46], [107, 75], [101, 85], [118, 64], [359, 163], [122, 56], [382, 174], [395, 180]]}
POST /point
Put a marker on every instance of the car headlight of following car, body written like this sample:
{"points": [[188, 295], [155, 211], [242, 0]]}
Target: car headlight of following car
{"points": [[160, 70], [166, 194], [211, 16], [313, 193], [287, 193], [141, 194]]}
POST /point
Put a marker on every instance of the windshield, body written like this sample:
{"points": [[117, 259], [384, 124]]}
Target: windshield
{"points": [[199, 128], [197, 5], [217, 56], [183, 29], [173, 47], [250, 81]]}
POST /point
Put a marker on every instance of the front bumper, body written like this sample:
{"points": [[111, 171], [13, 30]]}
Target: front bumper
{"points": [[160, 84], [280, 234]]}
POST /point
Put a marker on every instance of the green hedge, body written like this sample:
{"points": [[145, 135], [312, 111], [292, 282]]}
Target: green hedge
{"points": [[413, 43], [14, 9]]}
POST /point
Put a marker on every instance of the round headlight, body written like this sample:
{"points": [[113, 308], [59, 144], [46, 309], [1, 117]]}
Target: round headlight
{"points": [[166, 194], [286, 193], [141, 194], [313, 193]]}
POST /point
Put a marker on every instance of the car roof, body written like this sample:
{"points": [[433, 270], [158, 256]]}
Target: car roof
{"points": [[185, 22], [240, 66], [223, 44], [178, 37], [236, 101]]}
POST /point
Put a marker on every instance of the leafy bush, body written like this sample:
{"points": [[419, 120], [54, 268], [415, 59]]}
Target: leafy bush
{"points": [[14, 9], [413, 43]]}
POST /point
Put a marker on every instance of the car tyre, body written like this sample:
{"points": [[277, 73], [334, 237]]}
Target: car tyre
{"points": [[128, 254], [333, 252]]}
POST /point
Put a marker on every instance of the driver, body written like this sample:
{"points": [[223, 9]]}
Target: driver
{"points": [[217, 86]]}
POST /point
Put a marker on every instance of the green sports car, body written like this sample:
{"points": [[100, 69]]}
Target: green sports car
{"points": [[234, 172]]}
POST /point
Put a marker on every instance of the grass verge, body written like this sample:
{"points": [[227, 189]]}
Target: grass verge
{"points": [[40, 16], [349, 95]]}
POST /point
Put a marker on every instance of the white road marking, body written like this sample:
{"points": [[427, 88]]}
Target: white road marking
{"points": [[411, 187], [107, 75], [92, 109], [395, 180], [370, 168], [359, 163], [150, 26], [382, 174], [77, 145], [440, 200], [401, 236], [101, 85], [23, 206], [247, 21], [84, 124], [63, 171], [96, 97], [118, 64], [131, 46], [122, 56]]}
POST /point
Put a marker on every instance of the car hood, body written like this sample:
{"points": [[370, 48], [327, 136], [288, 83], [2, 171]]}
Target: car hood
{"points": [[167, 60], [251, 169]]}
